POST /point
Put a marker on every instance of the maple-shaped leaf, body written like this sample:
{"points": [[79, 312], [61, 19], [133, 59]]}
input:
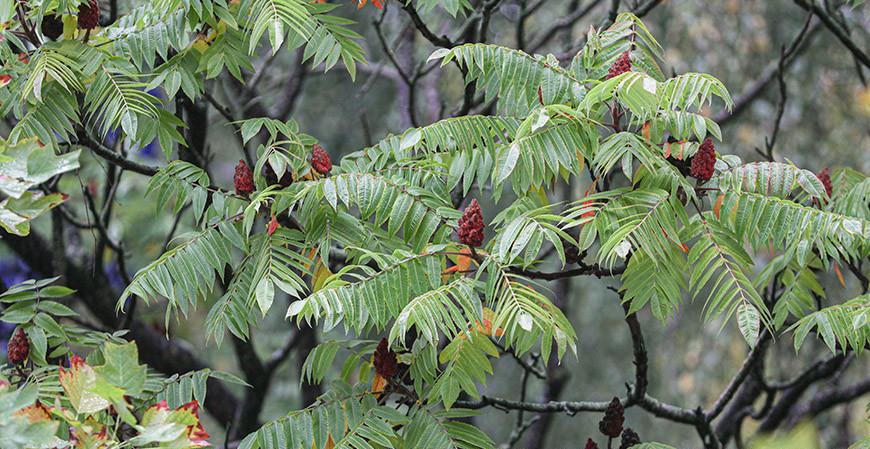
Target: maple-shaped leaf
{"points": [[31, 165], [189, 414], [16, 213], [162, 425], [78, 382]]}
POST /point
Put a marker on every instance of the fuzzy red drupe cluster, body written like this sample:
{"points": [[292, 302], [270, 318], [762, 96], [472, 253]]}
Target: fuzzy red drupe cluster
{"points": [[471, 225], [320, 161], [243, 180], [704, 161], [19, 347], [89, 15], [614, 416], [620, 66], [386, 363], [825, 177]]}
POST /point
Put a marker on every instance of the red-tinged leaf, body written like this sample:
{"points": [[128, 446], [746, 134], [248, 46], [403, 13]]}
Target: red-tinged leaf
{"points": [[646, 131], [162, 406], [667, 150], [273, 226], [5, 79], [377, 3], [195, 432], [541, 95], [839, 274], [717, 208]]}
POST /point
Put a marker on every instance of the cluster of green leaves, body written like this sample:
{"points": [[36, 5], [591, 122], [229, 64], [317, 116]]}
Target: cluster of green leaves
{"points": [[169, 44], [109, 398]]}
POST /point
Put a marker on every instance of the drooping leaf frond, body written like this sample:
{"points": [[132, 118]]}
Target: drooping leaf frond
{"points": [[187, 272], [851, 194], [375, 299], [182, 182], [51, 120], [604, 46], [639, 221], [418, 213], [48, 64], [763, 220], [840, 326], [719, 263], [660, 285], [799, 285], [636, 91], [774, 179], [524, 314], [466, 363], [118, 101], [541, 156], [326, 37], [448, 310], [148, 31], [692, 91], [233, 311], [279, 263], [454, 150], [683, 125], [623, 148], [443, 430], [519, 238], [346, 417], [514, 77]]}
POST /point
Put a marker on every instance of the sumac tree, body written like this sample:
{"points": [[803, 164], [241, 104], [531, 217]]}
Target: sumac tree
{"points": [[599, 164]]}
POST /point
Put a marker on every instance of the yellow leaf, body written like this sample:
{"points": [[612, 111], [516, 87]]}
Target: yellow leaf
{"points": [[311, 255], [321, 274], [378, 384]]}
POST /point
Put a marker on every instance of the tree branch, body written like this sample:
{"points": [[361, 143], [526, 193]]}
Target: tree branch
{"points": [[753, 91], [835, 29], [751, 361]]}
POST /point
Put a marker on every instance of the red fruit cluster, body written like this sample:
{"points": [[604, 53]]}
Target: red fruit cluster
{"points": [[590, 444], [614, 417], [386, 363], [243, 180], [620, 66], [89, 15], [825, 177], [471, 225], [19, 347], [320, 161], [629, 439], [704, 161], [52, 26]]}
